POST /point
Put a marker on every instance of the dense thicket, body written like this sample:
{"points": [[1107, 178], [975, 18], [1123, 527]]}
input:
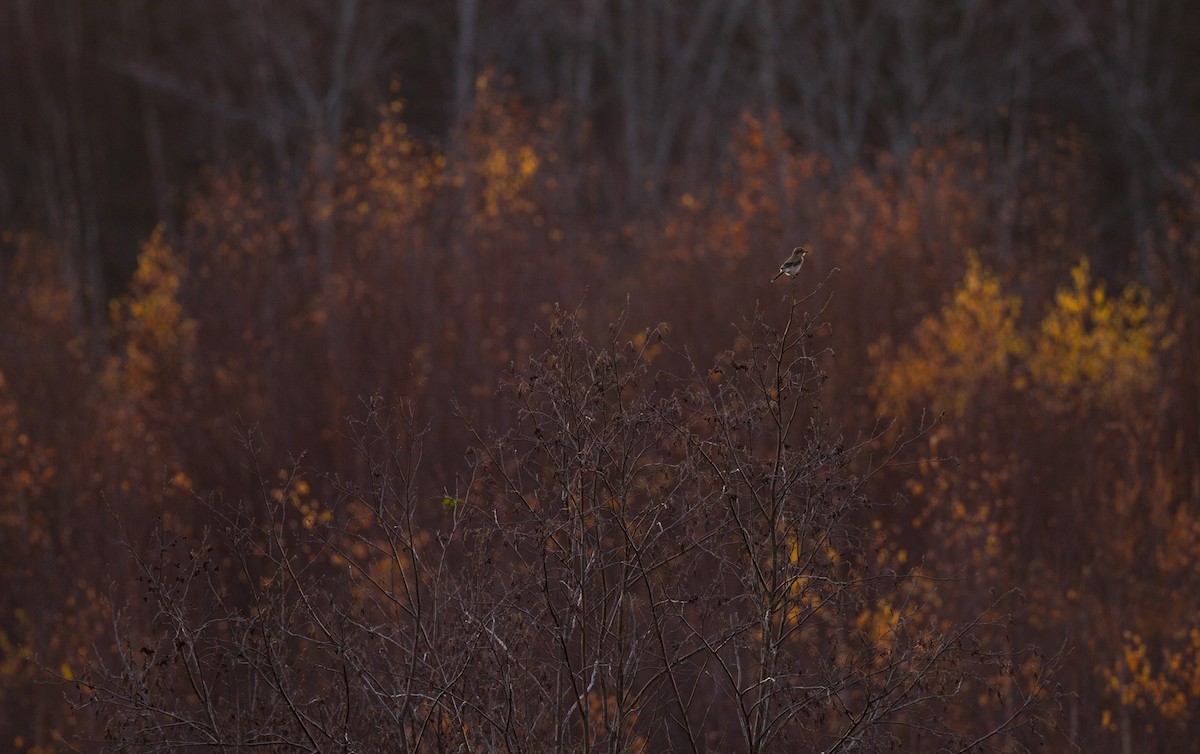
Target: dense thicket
{"points": [[645, 561]]}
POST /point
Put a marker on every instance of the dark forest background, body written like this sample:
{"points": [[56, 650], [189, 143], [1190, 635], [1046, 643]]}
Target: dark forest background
{"points": [[226, 226]]}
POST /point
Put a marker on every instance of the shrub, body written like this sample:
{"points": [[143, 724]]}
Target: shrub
{"points": [[646, 561]]}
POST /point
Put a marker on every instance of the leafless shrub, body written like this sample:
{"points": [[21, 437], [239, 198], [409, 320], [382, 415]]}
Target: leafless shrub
{"points": [[649, 561]]}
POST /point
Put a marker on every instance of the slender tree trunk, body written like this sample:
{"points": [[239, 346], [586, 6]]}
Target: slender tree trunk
{"points": [[464, 57]]}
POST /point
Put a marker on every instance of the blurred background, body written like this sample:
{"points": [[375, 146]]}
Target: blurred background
{"points": [[223, 215]]}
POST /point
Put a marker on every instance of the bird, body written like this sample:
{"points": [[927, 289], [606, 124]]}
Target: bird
{"points": [[792, 264]]}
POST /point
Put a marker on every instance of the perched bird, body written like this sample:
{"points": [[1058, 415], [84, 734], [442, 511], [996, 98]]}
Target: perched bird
{"points": [[793, 263]]}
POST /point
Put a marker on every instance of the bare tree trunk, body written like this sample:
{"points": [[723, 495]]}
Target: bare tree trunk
{"points": [[133, 16], [1126, 728], [586, 32], [464, 57], [627, 83], [768, 54], [65, 165], [86, 194]]}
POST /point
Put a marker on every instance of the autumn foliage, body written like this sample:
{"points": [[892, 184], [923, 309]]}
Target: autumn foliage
{"points": [[321, 427]]}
